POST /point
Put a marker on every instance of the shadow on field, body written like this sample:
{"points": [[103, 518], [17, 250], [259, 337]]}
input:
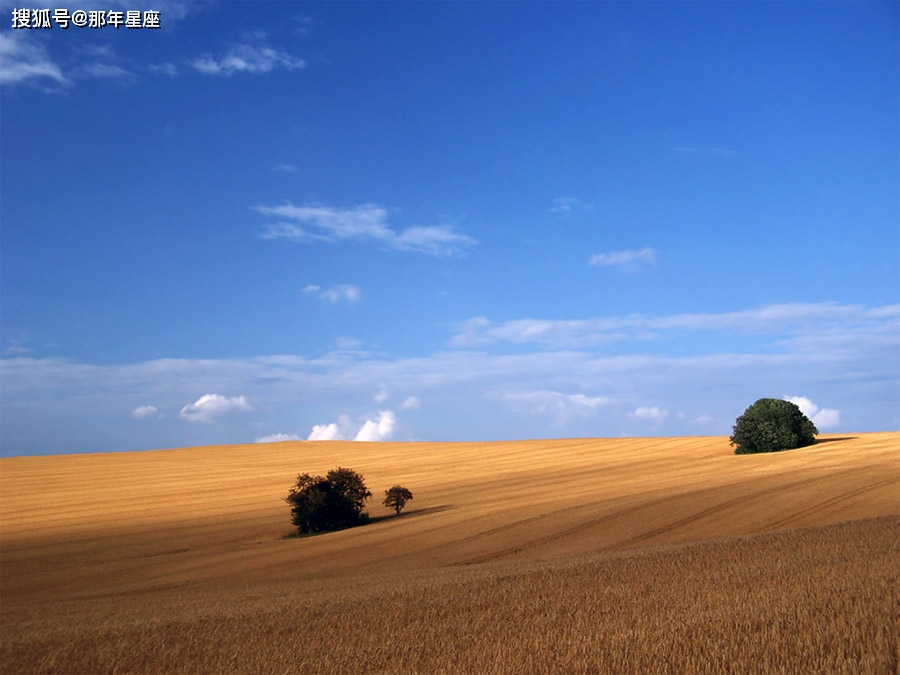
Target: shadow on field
{"points": [[371, 520], [819, 441], [412, 514]]}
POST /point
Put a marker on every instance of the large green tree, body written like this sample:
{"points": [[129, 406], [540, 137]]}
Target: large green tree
{"points": [[332, 502], [770, 425]]}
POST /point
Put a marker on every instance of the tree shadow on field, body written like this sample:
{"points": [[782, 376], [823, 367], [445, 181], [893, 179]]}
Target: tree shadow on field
{"points": [[370, 520], [819, 441], [413, 513]]}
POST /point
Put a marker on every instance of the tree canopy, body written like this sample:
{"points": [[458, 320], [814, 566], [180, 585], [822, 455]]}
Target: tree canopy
{"points": [[396, 498], [332, 502], [770, 425]]}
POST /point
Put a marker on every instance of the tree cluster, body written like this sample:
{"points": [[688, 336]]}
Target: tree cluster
{"points": [[770, 425], [336, 501]]}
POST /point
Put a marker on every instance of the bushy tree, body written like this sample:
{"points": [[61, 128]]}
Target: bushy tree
{"points": [[331, 503], [396, 498], [770, 425]]}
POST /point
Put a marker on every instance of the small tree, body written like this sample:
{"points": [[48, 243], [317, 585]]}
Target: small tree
{"points": [[770, 425], [396, 498], [331, 503]]}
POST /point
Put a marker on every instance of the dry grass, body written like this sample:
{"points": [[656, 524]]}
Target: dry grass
{"points": [[629, 555]]}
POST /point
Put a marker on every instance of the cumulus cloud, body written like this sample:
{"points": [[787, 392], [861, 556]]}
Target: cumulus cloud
{"points": [[210, 406], [277, 438], [380, 429], [823, 418], [145, 411], [362, 223], [325, 432], [625, 259], [246, 58], [347, 292]]}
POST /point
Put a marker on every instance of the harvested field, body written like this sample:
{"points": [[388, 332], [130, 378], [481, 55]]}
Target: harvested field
{"points": [[584, 555]]}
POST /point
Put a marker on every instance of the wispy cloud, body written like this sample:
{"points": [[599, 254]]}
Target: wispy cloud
{"points": [[567, 206], [286, 168], [168, 68], [362, 223], [245, 58], [210, 406], [812, 323], [410, 403], [347, 292], [625, 259], [277, 438], [24, 59], [561, 407]]}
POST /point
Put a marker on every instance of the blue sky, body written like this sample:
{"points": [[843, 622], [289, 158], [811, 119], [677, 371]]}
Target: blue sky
{"points": [[446, 221]]}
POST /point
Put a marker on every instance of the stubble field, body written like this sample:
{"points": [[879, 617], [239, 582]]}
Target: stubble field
{"points": [[580, 555]]}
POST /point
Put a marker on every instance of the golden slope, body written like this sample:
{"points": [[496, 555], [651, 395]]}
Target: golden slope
{"points": [[87, 525]]}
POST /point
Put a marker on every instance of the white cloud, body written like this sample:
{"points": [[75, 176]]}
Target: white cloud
{"points": [[410, 403], [325, 432], [625, 259], [209, 406], [247, 59], [566, 206], [24, 59], [362, 223], [823, 418], [653, 414], [837, 351], [378, 430], [382, 396], [562, 407], [277, 438], [347, 292], [145, 411]]}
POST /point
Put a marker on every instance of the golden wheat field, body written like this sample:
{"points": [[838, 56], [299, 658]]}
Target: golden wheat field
{"points": [[564, 556]]}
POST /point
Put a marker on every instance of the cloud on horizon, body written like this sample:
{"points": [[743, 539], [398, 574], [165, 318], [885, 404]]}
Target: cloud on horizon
{"points": [[379, 429], [823, 418], [836, 351], [277, 438]]}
